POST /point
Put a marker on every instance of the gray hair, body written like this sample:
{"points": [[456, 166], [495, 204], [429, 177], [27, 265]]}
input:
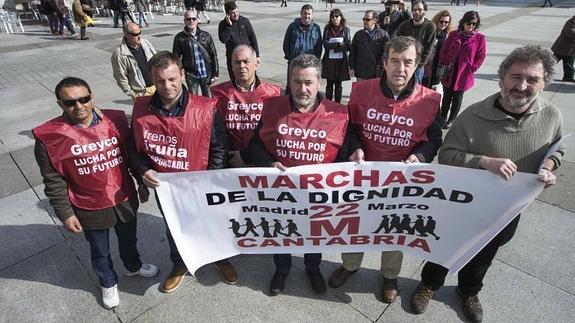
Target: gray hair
{"points": [[530, 54], [305, 61], [243, 47], [400, 44]]}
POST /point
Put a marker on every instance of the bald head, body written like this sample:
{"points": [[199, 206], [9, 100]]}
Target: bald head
{"points": [[244, 65], [132, 34]]}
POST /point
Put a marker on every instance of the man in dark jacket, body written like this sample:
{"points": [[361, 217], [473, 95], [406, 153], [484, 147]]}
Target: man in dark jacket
{"points": [[394, 14], [196, 49], [173, 120], [303, 36], [564, 49], [367, 48], [236, 30], [91, 190], [421, 29]]}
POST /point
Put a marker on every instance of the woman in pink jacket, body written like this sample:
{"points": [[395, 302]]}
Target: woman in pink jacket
{"points": [[462, 54]]}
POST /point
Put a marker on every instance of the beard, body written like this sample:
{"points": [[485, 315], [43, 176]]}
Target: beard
{"points": [[519, 101]]}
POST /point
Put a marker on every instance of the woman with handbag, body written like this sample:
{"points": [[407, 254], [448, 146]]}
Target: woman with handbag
{"points": [[335, 67], [443, 22], [82, 10], [461, 56]]}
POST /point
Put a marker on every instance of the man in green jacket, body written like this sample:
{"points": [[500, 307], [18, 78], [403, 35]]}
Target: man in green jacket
{"points": [[506, 133]]}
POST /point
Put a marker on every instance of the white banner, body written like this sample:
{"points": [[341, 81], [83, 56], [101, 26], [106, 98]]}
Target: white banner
{"points": [[434, 212]]}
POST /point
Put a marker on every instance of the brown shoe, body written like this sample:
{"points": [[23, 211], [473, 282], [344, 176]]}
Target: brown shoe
{"points": [[421, 298], [175, 279], [339, 277], [471, 306], [228, 272], [389, 290]]}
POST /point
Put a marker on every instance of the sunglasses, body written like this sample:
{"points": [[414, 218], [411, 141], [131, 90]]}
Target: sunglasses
{"points": [[470, 23], [134, 34], [335, 16], [72, 102], [367, 19], [192, 19], [444, 21]]}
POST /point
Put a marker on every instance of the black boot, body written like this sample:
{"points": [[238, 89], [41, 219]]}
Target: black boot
{"points": [[83, 33]]}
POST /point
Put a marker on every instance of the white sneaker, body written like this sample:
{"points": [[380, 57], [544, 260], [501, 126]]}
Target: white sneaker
{"points": [[110, 297], [146, 271]]}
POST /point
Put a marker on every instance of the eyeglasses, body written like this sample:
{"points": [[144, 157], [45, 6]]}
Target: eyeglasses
{"points": [[134, 34], [192, 19], [471, 23], [72, 102], [367, 19], [444, 21]]}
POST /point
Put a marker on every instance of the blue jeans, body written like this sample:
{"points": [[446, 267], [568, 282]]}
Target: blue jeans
{"points": [[99, 241], [195, 84], [65, 21], [311, 261], [141, 19], [419, 74]]}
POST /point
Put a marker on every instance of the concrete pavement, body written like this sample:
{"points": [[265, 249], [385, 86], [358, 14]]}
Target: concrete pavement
{"points": [[45, 272]]}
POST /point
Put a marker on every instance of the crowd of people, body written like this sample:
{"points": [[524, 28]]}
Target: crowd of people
{"points": [[400, 59]]}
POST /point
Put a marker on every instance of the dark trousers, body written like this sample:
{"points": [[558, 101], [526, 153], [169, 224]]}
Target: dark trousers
{"points": [[175, 256], [230, 71], [283, 262], [333, 89], [568, 69], [99, 241], [196, 84], [451, 102], [470, 277]]}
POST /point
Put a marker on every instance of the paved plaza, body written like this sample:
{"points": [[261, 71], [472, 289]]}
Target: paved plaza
{"points": [[45, 272]]}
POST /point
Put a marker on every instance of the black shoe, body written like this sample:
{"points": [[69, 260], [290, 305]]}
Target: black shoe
{"points": [[277, 283], [471, 306], [339, 277], [317, 282]]}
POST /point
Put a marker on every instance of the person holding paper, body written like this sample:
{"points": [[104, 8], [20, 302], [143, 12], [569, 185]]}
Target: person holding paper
{"points": [[335, 67], [506, 133]]}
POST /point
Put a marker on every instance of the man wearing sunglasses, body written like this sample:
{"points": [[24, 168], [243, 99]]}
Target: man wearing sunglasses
{"points": [[394, 14], [177, 132], [130, 63], [366, 48], [196, 49], [84, 161]]}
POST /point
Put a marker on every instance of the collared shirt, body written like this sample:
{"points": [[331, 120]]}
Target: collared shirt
{"points": [[176, 110], [95, 120], [198, 57]]}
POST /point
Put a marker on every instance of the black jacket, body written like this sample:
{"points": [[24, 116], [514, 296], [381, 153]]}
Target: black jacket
{"points": [[365, 55], [335, 69], [240, 32], [183, 47]]}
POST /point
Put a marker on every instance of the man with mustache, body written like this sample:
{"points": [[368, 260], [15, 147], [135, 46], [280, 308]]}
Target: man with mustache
{"points": [[508, 132], [283, 118]]}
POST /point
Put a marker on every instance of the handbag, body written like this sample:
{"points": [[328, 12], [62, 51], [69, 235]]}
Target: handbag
{"points": [[443, 71]]}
